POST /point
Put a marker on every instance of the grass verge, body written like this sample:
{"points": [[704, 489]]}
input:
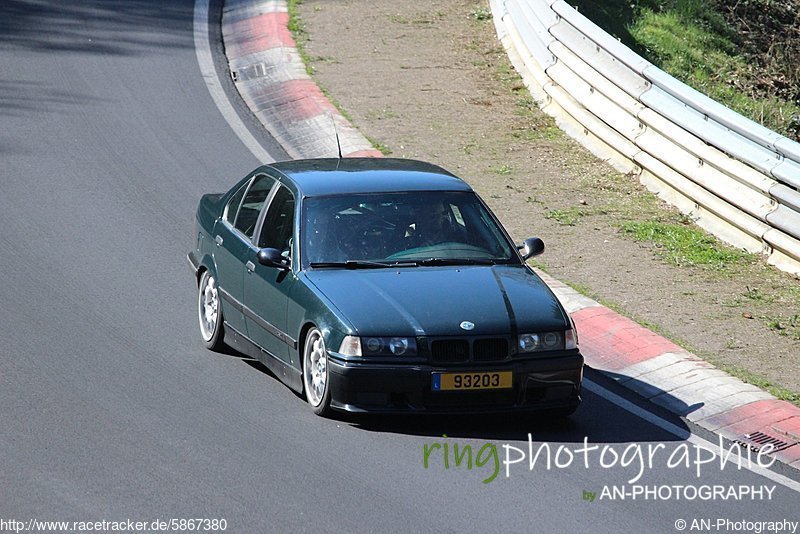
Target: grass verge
{"points": [[683, 245], [694, 41]]}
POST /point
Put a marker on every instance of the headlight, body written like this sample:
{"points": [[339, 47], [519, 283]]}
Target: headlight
{"points": [[389, 346], [528, 342], [547, 341], [551, 340], [398, 345]]}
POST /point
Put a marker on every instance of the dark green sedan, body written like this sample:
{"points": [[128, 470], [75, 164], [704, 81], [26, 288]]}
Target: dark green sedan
{"points": [[381, 285]]}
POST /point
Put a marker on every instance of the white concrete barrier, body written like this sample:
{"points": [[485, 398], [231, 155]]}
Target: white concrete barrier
{"points": [[736, 178]]}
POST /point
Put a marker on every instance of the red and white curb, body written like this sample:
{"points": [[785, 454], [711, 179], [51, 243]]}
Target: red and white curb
{"points": [[271, 77], [681, 382]]}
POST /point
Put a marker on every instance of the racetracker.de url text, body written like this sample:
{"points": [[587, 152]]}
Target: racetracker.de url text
{"points": [[123, 525]]}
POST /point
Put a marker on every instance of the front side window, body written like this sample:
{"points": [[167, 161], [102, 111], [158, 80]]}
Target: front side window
{"points": [[252, 204], [400, 227], [278, 227]]}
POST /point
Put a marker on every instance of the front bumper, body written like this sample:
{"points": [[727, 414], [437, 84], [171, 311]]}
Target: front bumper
{"points": [[538, 384]]}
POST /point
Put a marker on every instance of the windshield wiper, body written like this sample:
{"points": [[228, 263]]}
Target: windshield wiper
{"points": [[324, 264], [457, 261], [427, 262], [363, 264]]}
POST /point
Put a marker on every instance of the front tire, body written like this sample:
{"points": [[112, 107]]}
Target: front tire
{"points": [[315, 373], [209, 312]]}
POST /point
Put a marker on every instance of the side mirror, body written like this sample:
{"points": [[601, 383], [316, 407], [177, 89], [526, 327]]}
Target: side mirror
{"points": [[533, 246], [271, 257]]}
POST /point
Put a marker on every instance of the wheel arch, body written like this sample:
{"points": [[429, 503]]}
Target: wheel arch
{"points": [[301, 340], [206, 264]]}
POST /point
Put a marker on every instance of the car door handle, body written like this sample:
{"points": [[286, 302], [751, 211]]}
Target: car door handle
{"points": [[218, 240], [250, 266]]}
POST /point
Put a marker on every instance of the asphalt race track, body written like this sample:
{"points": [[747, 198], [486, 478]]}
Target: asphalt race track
{"points": [[110, 407]]}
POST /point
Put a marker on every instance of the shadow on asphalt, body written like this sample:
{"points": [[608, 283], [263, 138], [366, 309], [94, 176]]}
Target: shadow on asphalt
{"points": [[255, 364], [96, 27], [87, 28], [597, 420]]}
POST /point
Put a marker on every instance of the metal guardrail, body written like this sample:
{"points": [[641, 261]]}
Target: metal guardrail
{"points": [[738, 179]]}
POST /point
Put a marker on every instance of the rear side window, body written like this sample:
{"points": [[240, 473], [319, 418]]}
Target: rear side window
{"points": [[252, 203], [232, 207], [278, 228]]}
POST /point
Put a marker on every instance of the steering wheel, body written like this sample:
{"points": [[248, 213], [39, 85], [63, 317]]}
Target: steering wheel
{"points": [[364, 235]]}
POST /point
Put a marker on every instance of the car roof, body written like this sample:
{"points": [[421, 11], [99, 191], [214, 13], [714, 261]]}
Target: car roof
{"points": [[321, 177]]}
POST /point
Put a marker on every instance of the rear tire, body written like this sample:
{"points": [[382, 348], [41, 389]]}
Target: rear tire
{"points": [[209, 312], [315, 373]]}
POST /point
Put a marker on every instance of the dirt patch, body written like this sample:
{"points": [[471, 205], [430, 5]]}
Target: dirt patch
{"points": [[433, 83]]}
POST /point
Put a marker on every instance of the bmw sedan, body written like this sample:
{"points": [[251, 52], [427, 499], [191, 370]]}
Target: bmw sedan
{"points": [[381, 285]]}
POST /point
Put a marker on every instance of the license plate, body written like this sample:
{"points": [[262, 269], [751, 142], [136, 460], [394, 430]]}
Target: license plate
{"points": [[471, 381]]}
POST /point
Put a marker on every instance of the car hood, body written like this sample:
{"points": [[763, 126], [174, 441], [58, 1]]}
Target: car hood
{"points": [[433, 301]]}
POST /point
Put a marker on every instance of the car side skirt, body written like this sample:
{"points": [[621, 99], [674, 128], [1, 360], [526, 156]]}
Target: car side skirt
{"points": [[287, 374]]}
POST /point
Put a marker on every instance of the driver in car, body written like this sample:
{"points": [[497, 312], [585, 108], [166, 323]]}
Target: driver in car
{"points": [[433, 224]]}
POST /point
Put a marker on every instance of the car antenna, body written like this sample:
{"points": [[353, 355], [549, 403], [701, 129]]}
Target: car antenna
{"points": [[338, 144]]}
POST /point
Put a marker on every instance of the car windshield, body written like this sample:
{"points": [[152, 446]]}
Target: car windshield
{"points": [[395, 229]]}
